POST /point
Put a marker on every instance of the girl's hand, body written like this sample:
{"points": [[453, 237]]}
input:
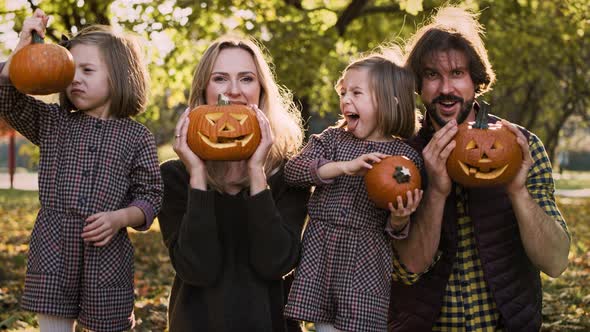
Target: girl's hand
{"points": [[37, 22], [362, 164], [400, 216], [101, 227], [193, 164], [258, 159]]}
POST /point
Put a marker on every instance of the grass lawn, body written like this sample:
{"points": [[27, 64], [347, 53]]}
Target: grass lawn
{"points": [[566, 304]]}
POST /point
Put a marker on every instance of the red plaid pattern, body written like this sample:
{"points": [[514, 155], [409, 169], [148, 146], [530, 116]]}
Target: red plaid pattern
{"points": [[345, 271], [87, 165]]}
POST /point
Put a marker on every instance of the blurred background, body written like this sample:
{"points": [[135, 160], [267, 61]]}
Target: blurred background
{"points": [[540, 51]]}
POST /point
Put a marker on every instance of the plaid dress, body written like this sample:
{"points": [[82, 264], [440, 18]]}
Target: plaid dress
{"points": [[87, 165], [345, 271]]}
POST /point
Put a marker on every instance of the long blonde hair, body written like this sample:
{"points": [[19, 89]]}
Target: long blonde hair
{"points": [[275, 101]]}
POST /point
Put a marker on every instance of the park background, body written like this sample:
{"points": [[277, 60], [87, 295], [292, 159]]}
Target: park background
{"points": [[540, 51]]}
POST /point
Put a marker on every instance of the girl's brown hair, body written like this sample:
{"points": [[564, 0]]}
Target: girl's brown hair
{"points": [[392, 87], [275, 101], [128, 76]]}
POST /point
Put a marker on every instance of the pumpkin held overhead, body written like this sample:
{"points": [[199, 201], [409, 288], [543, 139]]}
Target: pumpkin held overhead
{"points": [[223, 131], [41, 69]]}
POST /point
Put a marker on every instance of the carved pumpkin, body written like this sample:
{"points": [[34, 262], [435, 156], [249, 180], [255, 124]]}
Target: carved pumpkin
{"points": [[485, 154], [391, 177], [223, 131], [41, 69]]}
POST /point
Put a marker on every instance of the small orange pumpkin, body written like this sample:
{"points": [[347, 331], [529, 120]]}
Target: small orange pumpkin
{"points": [[485, 154], [223, 131], [41, 69], [391, 177]]}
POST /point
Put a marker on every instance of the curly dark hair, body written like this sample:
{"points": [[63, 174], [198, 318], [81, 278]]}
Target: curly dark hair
{"points": [[452, 29]]}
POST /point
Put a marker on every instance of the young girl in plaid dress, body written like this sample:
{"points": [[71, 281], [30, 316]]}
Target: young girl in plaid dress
{"points": [[342, 281], [98, 175]]}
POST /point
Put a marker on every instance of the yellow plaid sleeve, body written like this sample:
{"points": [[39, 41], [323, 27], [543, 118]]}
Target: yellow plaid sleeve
{"points": [[540, 182], [402, 274]]}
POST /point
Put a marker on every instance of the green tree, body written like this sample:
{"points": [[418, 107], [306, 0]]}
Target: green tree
{"points": [[539, 49]]}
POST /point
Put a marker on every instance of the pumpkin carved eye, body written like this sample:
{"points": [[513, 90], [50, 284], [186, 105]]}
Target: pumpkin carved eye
{"points": [[240, 117], [471, 145], [213, 117]]}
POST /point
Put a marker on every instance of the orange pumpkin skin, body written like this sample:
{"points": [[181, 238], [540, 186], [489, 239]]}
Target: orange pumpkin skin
{"points": [[223, 132], [484, 157], [391, 177], [42, 69]]}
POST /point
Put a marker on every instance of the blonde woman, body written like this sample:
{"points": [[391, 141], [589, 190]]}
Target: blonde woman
{"points": [[233, 227]]}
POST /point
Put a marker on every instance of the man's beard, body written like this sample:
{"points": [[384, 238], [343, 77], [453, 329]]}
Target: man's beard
{"points": [[463, 113]]}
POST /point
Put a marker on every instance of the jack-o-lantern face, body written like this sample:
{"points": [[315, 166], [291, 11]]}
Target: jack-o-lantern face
{"points": [[223, 132], [391, 177], [484, 157]]}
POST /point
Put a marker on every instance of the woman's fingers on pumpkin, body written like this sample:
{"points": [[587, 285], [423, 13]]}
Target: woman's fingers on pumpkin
{"points": [[179, 123]]}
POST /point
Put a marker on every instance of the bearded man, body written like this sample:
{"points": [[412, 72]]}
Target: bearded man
{"points": [[473, 257]]}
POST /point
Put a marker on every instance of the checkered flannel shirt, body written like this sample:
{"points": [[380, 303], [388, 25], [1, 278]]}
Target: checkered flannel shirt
{"points": [[468, 304]]}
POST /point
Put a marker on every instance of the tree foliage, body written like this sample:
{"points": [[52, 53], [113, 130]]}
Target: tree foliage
{"points": [[539, 49]]}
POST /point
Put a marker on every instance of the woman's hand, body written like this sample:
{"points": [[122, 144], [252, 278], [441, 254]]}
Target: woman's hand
{"points": [[193, 164], [257, 161]]}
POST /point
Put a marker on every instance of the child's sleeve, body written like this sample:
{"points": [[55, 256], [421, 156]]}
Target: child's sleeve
{"points": [[146, 181], [189, 228], [302, 170], [275, 222], [31, 117]]}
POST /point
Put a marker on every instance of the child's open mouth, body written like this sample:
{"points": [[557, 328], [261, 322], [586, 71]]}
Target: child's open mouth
{"points": [[351, 120]]}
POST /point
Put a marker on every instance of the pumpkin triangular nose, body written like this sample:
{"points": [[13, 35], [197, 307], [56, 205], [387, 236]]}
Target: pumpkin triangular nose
{"points": [[227, 127]]}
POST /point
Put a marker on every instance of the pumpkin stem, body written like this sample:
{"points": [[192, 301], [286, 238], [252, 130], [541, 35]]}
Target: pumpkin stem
{"points": [[401, 174], [481, 119], [36, 38], [222, 100]]}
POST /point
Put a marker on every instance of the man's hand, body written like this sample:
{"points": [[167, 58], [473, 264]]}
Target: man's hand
{"points": [[518, 184], [435, 156]]}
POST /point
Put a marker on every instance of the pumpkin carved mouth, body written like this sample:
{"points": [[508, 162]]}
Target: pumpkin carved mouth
{"points": [[482, 172], [227, 142]]}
